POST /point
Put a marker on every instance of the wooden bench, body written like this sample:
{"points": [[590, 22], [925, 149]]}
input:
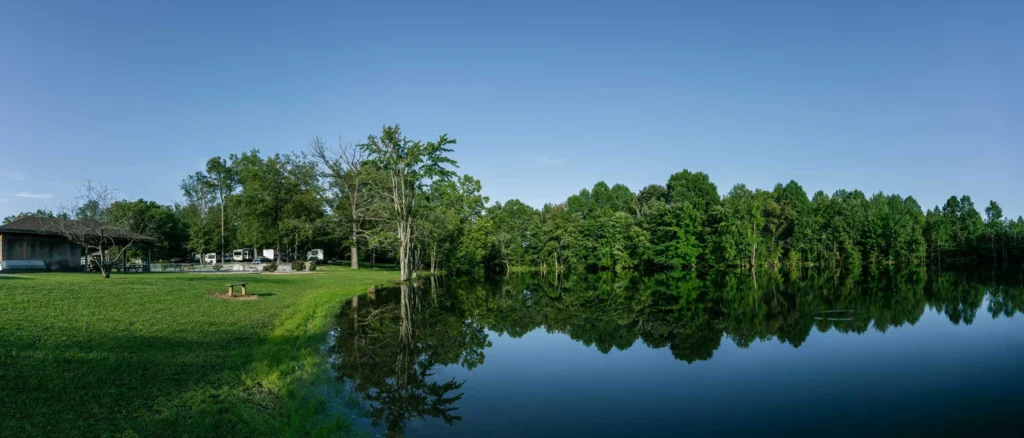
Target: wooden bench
{"points": [[231, 288]]}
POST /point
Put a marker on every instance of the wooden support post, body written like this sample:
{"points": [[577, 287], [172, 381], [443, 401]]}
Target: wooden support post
{"points": [[231, 290], [243, 290]]}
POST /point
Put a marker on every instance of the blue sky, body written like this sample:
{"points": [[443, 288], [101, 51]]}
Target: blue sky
{"points": [[545, 98]]}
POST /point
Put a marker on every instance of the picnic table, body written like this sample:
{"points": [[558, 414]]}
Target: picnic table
{"points": [[231, 288]]}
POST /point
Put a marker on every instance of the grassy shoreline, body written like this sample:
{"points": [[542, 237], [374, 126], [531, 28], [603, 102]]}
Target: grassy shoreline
{"points": [[155, 354]]}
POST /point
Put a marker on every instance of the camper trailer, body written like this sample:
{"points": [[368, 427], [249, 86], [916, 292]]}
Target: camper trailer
{"points": [[241, 255], [315, 255], [268, 254], [210, 258]]}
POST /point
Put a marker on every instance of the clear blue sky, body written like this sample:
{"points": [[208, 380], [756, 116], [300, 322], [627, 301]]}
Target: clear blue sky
{"points": [[545, 98]]}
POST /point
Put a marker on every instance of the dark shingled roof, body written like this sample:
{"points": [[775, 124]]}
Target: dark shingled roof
{"points": [[50, 226]]}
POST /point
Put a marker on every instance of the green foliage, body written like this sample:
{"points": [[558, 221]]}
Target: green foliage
{"points": [[270, 267], [278, 199], [400, 199], [685, 226], [160, 222], [298, 265], [409, 167], [694, 188], [38, 213]]}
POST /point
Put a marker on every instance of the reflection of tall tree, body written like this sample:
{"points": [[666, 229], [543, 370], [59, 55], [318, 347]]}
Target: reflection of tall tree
{"points": [[957, 297], [389, 355]]}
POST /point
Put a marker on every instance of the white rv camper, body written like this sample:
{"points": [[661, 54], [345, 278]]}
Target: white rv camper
{"points": [[315, 255], [241, 255]]}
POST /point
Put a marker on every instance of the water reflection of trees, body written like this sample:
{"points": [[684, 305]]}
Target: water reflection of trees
{"points": [[690, 314], [393, 341], [388, 346]]}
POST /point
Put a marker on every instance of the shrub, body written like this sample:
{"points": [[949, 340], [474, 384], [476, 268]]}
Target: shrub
{"points": [[270, 267], [311, 266], [298, 265], [217, 266]]}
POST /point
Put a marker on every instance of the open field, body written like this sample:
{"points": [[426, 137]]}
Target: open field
{"points": [[156, 354]]}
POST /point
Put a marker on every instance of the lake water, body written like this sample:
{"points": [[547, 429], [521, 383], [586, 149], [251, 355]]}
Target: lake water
{"points": [[676, 354]]}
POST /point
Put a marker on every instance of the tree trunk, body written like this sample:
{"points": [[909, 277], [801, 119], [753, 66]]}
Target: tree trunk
{"points": [[222, 230], [103, 261], [354, 250], [433, 258], [404, 255], [753, 256]]}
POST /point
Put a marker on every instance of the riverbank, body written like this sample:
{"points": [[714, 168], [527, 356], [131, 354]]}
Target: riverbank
{"points": [[157, 354]]}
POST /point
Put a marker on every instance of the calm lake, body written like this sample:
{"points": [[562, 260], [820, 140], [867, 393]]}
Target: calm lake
{"points": [[677, 354]]}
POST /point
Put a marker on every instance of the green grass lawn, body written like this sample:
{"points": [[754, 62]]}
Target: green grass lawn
{"points": [[156, 354]]}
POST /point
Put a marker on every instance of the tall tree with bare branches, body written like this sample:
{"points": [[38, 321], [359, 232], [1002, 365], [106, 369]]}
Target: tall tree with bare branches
{"points": [[94, 227], [351, 179]]}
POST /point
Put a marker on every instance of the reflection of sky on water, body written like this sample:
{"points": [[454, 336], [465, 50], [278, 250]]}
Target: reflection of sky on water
{"points": [[930, 377]]}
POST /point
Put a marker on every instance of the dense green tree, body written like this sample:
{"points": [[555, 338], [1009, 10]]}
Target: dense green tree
{"points": [[672, 232], [995, 229], [223, 181], [449, 208], [738, 220], [197, 213], [513, 222], [162, 222], [276, 192], [695, 188], [409, 167]]}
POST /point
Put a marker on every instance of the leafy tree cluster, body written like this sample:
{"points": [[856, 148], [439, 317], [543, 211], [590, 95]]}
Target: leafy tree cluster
{"points": [[389, 196], [957, 234], [252, 201], [399, 199], [686, 224]]}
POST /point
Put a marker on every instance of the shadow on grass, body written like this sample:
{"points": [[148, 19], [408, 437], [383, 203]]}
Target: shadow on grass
{"points": [[150, 385]]}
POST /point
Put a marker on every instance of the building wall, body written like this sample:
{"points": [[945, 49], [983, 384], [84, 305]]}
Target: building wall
{"points": [[57, 253]]}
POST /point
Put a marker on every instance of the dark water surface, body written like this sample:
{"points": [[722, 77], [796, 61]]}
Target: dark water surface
{"points": [[670, 355]]}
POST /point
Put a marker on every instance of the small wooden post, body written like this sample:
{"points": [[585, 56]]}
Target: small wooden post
{"points": [[231, 290], [243, 289]]}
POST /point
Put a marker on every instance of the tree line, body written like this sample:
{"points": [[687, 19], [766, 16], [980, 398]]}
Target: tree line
{"points": [[686, 224], [402, 200]]}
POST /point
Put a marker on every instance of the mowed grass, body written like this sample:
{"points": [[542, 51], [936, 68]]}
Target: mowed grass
{"points": [[157, 355]]}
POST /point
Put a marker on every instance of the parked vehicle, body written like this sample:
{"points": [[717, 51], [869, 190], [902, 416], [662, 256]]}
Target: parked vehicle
{"points": [[227, 257], [210, 258], [316, 256], [268, 254], [241, 255], [257, 260]]}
